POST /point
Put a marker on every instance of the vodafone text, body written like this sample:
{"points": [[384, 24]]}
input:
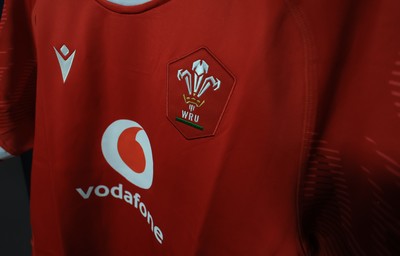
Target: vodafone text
{"points": [[119, 193]]}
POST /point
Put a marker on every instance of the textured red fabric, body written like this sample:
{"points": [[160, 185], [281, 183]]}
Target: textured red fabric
{"points": [[260, 128]]}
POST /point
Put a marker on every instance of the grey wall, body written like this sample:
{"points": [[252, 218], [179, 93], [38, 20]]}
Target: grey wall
{"points": [[15, 231]]}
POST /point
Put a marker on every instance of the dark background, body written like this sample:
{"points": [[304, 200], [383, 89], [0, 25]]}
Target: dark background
{"points": [[15, 233]]}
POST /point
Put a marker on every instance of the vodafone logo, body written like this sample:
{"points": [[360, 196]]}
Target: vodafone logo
{"points": [[127, 150]]}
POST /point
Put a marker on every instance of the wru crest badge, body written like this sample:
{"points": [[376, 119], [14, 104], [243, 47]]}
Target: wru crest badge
{"points": [[195, 85], [205, 86]]}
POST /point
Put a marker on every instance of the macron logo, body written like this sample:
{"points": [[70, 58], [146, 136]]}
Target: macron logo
{"points": [[65, 63]]}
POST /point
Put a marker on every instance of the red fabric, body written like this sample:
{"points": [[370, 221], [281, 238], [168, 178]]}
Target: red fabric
{"points": [[299, 152], [17, 75]]}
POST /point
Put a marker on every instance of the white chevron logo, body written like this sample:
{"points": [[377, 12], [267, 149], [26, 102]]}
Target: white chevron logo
{"points": [[65, 63]]}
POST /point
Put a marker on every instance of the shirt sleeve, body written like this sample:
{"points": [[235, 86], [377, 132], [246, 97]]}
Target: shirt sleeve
{"points": [[17, 78]]}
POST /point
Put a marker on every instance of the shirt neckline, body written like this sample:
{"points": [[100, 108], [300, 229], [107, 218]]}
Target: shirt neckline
{"points": [[131, 9]]}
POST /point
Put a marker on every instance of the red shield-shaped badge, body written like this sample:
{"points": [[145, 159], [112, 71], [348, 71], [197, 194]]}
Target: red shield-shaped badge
{"points": [[199, 88]]}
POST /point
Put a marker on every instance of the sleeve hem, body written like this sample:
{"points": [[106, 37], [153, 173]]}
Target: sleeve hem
{"points": [[4, 154]]}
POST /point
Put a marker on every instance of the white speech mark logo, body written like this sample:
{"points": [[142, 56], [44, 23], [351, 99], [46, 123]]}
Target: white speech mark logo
{"points": [[127, 150]]}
